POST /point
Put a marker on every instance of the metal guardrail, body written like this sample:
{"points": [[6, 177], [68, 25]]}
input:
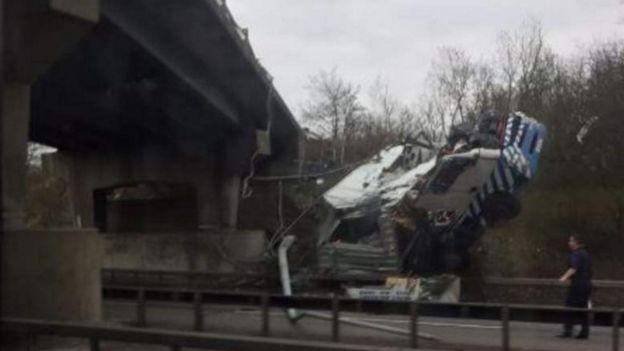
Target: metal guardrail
{"points": [[615, 284], [161, 277], [175, 339], [177, 278], [337, 305]]}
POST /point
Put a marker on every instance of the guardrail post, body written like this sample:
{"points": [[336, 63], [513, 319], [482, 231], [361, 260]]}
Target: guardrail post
{"points": [[30, 341], [414, 324], [94, 344], [465, 312], [617, 315], [141, 315], [335, 305], [199, 311], [190, 279], [505, 326], [265, 315]]}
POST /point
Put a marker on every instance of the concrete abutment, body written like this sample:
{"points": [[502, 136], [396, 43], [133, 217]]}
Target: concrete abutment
{"points": [[52, 274]]}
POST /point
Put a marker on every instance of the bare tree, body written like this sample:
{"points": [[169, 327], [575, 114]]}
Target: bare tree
{"points": [[333, 110], [453, 72], [430, 115], [483, 89], [384, 110], [525, 64], [406, 123], [509, 66]]}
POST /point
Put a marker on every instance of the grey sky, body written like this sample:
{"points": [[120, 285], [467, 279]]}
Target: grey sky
{"points": [[397, 39]]}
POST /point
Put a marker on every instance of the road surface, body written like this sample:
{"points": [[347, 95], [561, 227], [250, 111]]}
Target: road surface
{"points": [[454, 334]]}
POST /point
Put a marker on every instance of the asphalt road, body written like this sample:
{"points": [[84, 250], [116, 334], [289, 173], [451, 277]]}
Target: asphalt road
{"points": [[453, 334]]}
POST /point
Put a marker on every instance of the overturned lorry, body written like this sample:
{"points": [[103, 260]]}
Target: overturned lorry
{"points": [[416, 208]]}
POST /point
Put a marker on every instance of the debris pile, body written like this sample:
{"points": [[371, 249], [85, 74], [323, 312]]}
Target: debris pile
{"points": [[416, 208]]}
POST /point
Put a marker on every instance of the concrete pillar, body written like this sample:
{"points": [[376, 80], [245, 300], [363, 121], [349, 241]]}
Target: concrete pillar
{"points": [[88, 172], [217, 202], [207, 203], [81, 189], [246, 248], [235, 160], [208, 184], [15, 123], [53, 274], [230, 196], [44, 274]]}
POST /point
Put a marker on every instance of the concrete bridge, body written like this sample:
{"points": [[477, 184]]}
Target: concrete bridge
{"points": [[128, 91]]}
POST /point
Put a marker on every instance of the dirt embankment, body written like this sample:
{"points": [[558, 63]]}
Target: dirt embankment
{"points": [[535, 244]]}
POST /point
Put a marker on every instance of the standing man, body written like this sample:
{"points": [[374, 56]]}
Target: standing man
{"points": [[579, 273]]}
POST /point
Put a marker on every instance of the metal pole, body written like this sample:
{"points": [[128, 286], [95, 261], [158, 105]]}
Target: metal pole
{"points": [[30, 341], [335, 305], [617, 315], [265, 315], [141, 315], [199, 311], [465, 312], [2, 117], [282, 255], [505, 326], [414, 324], [195, 279], [369, 325], [94, 344]]}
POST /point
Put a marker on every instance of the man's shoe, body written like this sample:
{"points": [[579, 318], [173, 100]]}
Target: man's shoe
{"points": [[582, 336], [565, 335]]}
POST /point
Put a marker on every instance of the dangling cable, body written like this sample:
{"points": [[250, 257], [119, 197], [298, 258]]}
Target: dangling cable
{"points": [[280, 205], [247, 190]]}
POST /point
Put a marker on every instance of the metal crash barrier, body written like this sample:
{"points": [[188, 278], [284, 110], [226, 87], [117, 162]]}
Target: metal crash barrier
{"points": [[193, 279], [337, 305], [175, 339]]}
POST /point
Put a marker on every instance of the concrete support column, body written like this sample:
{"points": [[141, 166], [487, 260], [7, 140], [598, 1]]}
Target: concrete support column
{"points": [[234, 161], [15, 123], [80, 189], [88, 172], [217, 202], [230, 196], [207, 203], [52, 274]]}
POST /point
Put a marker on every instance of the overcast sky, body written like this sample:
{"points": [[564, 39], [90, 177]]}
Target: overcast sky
{"points": [[397, 39]]}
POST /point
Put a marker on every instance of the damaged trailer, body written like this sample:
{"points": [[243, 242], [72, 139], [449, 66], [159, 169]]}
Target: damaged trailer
{"points": [[416, 208]]}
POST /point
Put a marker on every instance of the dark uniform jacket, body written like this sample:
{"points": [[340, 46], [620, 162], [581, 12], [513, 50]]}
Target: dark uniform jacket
{"points": [[580, 286]]}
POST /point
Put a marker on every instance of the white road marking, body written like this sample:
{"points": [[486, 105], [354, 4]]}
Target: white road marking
{"points": [[397, 321]]}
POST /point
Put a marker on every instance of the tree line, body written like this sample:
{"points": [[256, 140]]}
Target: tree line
{"points": [[523, 74]]}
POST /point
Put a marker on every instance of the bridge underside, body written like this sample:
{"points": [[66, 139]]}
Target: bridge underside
{"points": [[158, 72], [156, 91]]}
